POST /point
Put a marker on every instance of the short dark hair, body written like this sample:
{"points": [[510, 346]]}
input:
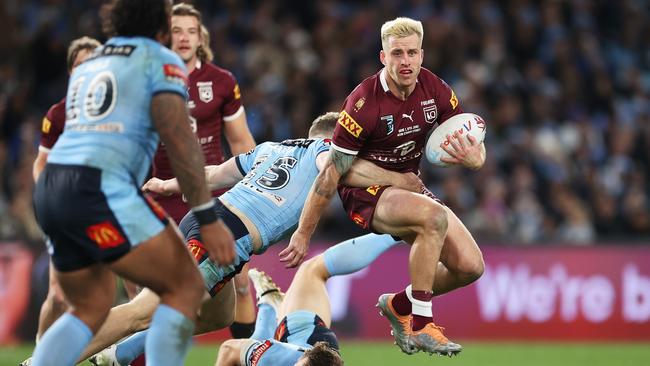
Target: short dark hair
{"points": [[323, 355], [78, 45], [324, 124], [131, 18]]}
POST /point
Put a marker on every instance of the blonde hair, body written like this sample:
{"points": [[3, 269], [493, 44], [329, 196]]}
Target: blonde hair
{"points": [[78, 45], [399, 28]]}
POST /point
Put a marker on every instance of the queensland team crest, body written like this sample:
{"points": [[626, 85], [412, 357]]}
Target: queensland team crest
{"points": [[430, 113], [205, 91]]}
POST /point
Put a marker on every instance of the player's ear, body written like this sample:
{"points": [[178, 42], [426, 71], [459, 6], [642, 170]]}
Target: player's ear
{"points": [[382, 57]]}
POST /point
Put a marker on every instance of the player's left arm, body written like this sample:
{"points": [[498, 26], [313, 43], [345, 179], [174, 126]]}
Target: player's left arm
{"points": [[238, 135], [39, 164], [217, 176], [364, 173]]}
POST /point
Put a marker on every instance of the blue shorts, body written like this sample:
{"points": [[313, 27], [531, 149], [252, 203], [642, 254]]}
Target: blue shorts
{"points": [[215, 277], [91, 216], [305, 329]]}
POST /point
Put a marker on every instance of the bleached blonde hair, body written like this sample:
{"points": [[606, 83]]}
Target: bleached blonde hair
{"points": [[400, 27]]}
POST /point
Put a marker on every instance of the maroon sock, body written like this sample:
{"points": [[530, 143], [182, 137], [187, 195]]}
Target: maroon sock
{"points": [[401, 303], [420, 321]]}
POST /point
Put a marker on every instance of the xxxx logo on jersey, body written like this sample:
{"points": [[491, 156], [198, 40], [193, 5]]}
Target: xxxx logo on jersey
{"points": [[350, 124]]}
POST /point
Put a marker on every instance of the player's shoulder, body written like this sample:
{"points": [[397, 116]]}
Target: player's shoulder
{"points": [[215, 72], [430, 80]]}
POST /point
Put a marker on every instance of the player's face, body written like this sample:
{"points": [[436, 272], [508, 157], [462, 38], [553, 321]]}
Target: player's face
{"points": [[403, 60], [186, 36]]}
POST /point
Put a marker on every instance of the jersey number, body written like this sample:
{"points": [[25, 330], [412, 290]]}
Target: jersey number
{"points": [[99, 99], [277, 176]]}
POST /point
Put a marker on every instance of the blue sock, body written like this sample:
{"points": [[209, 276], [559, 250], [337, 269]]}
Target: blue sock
{"points": [[169, 337], [130, 348], [266, 322], [355, 254], [63, 343]]}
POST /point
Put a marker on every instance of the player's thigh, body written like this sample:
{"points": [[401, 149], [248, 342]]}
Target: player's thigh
{"points": [[308, 291], [161, 263], [460, 252], [217, 312], [402, 213]]}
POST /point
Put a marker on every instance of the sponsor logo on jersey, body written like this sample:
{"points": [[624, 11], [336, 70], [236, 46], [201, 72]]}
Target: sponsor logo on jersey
{"points": [[350, 124], [359, 220], [113, 50], [409, 116], [105, 235], [359, 104], [390, 126], [205, 91], [427, 102], [430, 113], [197, 250], [236, 92], [453, 100], [175, 74], [255, 356], [373, 189], [45, 127]]}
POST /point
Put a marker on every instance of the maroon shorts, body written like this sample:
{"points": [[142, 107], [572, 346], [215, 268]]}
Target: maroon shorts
{"points": [[360, 203]]}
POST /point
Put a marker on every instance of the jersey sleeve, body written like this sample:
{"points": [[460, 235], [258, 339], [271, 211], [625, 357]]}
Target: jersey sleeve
{"points": [[52, 126], [232, 106], [168, 74], [448, 101], [247, 161], [356, 123]]}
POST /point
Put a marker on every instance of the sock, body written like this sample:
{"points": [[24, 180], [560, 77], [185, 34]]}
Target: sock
{"points": [[242, 330], [266, 322], [63, 343], [421, 307], [355, 254], [130, 348], [169, 337], [401, 303]]}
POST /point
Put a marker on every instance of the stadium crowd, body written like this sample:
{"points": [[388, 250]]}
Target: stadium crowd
{"points": [[563, 85]]}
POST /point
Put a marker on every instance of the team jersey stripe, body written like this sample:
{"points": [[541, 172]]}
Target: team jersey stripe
{"points": [[234, 116], [344, 150], [239, 166]]}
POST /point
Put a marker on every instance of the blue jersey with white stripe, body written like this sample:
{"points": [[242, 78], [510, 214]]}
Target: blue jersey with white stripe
{"points": [[278, 177], [273, 353], [108, 107]]}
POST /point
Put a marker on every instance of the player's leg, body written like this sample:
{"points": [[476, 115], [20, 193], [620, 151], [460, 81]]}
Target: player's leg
{"points": [[269, 300], [217, 312], [425, 228], [308, 292], [244, 322], [89, 292], [171, 273], [53, 306], [461, 261]]}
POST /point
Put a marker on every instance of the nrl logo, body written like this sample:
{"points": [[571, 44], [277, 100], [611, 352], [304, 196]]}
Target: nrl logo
{"points": [[205, 91]]}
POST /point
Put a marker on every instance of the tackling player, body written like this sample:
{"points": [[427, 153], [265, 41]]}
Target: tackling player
{"points": [[215, 110], [386, 120], [273, 178], [88, 199]]}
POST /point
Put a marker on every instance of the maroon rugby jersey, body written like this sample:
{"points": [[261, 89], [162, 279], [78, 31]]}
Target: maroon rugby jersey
{"points": [[52, 126], [377, 126], [214, 99]]}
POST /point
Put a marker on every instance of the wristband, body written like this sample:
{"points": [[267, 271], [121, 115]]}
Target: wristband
{"points": [[205, 213]]}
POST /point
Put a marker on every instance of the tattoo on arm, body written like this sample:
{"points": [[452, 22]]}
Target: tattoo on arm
{"points": [[342, 161]]}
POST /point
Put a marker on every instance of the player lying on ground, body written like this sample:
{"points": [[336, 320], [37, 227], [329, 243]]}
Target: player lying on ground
{"points": [[302, 335], [270, 186]]}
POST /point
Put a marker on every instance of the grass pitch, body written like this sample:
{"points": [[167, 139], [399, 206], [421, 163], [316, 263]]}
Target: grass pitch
{"points": [[474, 354]]}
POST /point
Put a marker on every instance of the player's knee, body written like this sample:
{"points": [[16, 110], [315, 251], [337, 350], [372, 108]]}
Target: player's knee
{"points": [[56, 301], [473, 269], [314, 267]]}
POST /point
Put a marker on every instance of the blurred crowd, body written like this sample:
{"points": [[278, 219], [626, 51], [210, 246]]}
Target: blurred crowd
{"points": [[563, 85]]}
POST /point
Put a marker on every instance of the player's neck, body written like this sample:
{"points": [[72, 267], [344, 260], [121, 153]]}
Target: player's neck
{"points": [[191, 64], [402, 93]]}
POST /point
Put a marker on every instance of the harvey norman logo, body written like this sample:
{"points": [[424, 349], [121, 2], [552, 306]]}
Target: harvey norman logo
{"points": [[515, 293]]}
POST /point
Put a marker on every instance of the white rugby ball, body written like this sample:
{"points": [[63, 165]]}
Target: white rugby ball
{"points": [[465, 124]]}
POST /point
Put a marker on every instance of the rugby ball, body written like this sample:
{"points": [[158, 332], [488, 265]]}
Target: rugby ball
{"points": [[465, 124]]}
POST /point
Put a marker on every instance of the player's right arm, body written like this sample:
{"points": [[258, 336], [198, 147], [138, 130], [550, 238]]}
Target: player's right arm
{"points": [[217, 176], [39, 164], [318, 198], [170, 118], [364, 173]]}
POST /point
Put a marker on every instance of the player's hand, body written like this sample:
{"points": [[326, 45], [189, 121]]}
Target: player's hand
{"points": [[463, 151], [155, 185], [410, 182], [295, 252], [219, 242]]}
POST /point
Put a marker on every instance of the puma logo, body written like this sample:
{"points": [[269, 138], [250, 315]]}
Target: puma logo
{"points": [[409, 116]]}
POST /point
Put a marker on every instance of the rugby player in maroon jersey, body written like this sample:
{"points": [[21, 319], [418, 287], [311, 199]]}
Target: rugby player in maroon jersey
{"points": [[386, 120], [215, 109]]}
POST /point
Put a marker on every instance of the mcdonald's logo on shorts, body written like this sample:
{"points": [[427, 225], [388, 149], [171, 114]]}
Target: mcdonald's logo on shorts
{"points": [[105, 235]]}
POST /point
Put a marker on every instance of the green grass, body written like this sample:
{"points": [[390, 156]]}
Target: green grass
{"points": [[475, 354]]}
